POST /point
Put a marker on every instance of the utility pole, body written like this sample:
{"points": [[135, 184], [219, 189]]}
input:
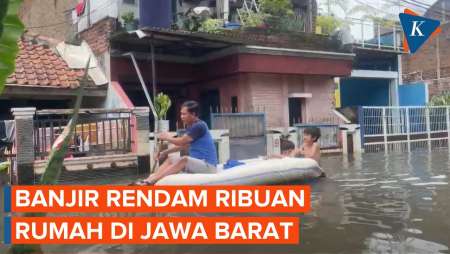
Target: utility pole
{"points": [[329, 7]]}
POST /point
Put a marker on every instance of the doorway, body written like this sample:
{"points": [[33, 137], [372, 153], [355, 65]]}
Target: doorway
{"points": [[295, 111]]}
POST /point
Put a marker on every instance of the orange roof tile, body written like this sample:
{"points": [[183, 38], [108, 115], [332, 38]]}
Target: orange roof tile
{"points": [[38, 65]]}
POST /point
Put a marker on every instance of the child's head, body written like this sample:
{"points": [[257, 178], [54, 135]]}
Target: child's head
{"points": [[311, 135], [286, 146]]}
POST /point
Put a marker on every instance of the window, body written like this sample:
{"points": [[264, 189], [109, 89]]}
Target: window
{"points": [[129, 1]]}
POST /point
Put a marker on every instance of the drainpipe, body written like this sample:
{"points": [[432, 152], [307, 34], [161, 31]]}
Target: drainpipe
{"points": [[88, 7], [438, 59], [152, 49]]}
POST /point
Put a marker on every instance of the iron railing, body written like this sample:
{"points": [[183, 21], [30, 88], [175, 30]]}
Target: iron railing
{"points": [[404, 128], [369, 34], [98, 132]]}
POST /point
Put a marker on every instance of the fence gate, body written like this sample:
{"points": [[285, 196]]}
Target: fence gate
{"points": [[247, 133], [97, 133], [404, 128]]}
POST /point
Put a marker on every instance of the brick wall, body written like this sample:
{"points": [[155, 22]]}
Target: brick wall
{"points": [[266, 94], [437, 87], [319, 107], [423, 65], [48, 17], [97, 36], [271, 92]]}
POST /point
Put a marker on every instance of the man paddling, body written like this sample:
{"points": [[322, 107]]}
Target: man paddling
{"points": [[202, 151]]}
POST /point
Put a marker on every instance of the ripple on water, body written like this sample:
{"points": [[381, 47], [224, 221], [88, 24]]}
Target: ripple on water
{"points": [[388, 181], [356, 180], [411, 179], [390, 187], [406, 174], [377, 244], [359, 185], [430, 183], [439, 177], [414, 231], [385, 236]]}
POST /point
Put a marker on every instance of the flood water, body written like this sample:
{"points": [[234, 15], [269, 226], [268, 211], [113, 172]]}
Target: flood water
{"points": [[375, 203]]}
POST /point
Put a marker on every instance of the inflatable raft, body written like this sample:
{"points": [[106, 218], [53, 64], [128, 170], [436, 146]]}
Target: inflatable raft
{"points": [[260, 172]]}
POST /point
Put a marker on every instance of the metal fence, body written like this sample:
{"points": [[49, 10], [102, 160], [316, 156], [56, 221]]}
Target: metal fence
{"points": [[247, 133], [369, 34], [404, 128], [98, 132], [240, 124]]}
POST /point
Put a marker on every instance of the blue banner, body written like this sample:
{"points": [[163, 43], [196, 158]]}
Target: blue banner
{"points": [[7, 231], [7, 199]]}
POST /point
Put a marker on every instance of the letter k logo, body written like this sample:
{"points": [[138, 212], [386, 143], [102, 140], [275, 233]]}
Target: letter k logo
{"points": [[417, 29]]}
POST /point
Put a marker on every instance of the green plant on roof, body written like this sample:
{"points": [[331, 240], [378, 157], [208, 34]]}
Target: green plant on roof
{"points": [[211, 25], [162, 105], [278, 8], [252, 19], [128, 17]]}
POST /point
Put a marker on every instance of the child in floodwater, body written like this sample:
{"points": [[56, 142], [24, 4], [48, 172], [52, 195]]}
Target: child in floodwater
{"points": [[309, 149]]}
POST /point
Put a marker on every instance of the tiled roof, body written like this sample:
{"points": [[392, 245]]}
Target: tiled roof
{"points": [[38, 65]]}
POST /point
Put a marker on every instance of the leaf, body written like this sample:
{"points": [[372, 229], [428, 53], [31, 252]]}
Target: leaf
{"points": [[4, 166], [162, 105], [59, 149], [11, 28]]}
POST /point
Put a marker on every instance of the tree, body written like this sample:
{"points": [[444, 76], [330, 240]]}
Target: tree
{"points": [[328, 24], [440, 100], [277, 8], [11, 28]]}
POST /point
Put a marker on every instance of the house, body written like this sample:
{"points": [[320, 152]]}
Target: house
{"points": [[43, 79], [429, 67], [290, 77], [376, 70]]}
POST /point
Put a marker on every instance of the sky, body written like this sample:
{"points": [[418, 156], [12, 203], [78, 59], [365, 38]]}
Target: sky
{"points": [[379, 8]]}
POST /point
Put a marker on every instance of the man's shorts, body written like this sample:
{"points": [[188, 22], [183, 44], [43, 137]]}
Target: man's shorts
{"points": [[195, 166]]}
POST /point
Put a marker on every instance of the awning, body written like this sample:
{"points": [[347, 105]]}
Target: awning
{"points": [[176, 43]]}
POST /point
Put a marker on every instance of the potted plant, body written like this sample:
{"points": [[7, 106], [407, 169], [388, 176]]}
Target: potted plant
{"points": [[162, 105], [128, 21]]}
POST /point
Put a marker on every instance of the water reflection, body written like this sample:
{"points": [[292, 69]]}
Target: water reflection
{"points": [[385, 243], [373, 203]]}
